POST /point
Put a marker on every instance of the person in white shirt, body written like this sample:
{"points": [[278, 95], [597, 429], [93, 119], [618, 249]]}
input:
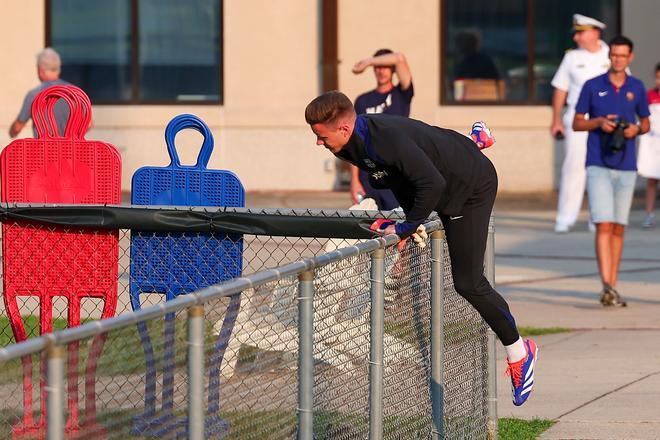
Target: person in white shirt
{"points": [[590, 59], [648, 158]]}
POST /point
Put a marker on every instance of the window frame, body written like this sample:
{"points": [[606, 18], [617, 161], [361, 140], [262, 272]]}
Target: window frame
{"points": [[329, 37], [135, 61], [531, 58]]}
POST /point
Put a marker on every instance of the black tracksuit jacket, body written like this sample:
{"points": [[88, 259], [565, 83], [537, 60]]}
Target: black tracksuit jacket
{"points": [[428, 168]]}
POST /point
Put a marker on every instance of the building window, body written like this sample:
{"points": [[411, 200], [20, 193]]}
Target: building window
{"points": [[507, 51], [140, 51]]}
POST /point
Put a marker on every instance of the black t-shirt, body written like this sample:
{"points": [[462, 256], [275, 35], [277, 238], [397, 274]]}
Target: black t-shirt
{"points": [[395, 102], [428, 168]]}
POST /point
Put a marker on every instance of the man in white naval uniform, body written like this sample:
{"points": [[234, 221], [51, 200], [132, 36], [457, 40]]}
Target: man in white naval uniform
{"points": [[590, 59]]}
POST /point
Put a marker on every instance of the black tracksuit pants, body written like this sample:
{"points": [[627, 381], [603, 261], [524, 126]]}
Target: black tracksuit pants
{"points": [[467, 234]]}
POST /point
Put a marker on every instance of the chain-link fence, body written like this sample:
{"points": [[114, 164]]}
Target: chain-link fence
{"points": [[323, 337]]}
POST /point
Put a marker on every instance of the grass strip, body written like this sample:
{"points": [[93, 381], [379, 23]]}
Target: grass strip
{"points": [[519, 429], [537, 331]]}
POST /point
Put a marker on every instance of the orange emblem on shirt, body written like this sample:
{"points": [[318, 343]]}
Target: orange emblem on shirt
{"points": [[630, 96]]}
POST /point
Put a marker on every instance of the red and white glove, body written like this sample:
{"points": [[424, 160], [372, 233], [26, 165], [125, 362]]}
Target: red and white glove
{"points": [[380, 224], [419, 236]]}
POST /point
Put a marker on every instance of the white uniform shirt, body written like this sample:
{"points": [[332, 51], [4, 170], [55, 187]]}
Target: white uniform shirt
{"points": [[578, 66]]}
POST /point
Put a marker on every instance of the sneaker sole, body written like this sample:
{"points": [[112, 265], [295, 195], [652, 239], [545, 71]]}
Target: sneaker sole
{"points": [[619, 302], [536, 359]]}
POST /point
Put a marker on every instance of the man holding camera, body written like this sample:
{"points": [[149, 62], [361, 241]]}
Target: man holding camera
{"points": [[618, 112]]}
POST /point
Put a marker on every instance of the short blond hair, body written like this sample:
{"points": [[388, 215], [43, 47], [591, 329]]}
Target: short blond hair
{"points": [[49, 59], [328, 107]]}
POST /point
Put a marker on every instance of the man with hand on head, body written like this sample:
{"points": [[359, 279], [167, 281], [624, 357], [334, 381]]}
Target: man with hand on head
{"points": [[618, 112], [578, 65], [431, 169], [385, 98]]}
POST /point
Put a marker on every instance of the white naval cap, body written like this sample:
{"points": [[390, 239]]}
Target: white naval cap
{"points": [[582, 22]]}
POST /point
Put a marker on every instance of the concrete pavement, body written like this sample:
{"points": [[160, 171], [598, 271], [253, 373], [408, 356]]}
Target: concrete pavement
{"points": [[599, 381]]}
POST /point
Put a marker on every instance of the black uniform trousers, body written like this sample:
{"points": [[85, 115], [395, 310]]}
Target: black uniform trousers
{"points": [[467, 233]]}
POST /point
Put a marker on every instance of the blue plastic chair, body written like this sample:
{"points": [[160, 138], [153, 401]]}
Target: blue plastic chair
{"points": [[176, 263]]}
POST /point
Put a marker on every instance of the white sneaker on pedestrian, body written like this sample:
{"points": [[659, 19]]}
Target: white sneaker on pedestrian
{"points": [[649, 221], [561, 228]]}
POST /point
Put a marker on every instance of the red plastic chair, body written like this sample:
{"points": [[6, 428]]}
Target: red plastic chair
{"points": [[49, 262]]}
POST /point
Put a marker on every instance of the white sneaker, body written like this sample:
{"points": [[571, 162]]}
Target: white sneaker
{"points": [[562, 228], [649, 221]]}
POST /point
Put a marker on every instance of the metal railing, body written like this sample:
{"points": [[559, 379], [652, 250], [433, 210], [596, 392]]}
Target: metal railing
{"points": [[359, 341]]}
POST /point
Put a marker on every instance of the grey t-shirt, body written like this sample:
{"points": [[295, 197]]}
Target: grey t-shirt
{"points": [[61, 109]]}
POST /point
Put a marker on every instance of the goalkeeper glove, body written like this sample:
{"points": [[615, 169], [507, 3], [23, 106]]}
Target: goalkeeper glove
{"points": [[419, 236]]}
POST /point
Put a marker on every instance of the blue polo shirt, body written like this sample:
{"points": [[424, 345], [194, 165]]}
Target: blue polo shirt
{"points": [[599, 97]]}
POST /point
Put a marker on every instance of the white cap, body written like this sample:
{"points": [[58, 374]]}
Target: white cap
{"points": [[582, 22]]}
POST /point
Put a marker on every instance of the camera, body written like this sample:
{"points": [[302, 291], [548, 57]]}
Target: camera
{"points": [[618, 141]]}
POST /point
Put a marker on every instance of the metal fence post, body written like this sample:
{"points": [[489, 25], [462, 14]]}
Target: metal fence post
{"points": [[55, 391], [306, 356], [437, 333], [196, 373], [376, 335], [492, 340]]}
